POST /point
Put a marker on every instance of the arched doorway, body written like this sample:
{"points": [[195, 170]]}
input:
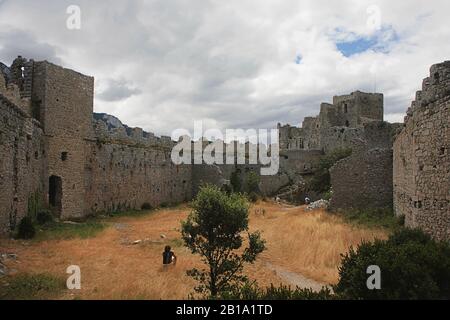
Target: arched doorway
{"points": [[55, 194]]}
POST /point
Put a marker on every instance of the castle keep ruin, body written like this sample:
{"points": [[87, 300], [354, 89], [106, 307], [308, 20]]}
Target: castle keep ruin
{"points": [[336, 125], [353, 121]]}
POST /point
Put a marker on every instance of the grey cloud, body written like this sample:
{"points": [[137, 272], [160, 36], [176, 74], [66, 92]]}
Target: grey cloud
{"points": [[117, 90], [229, 62], [16, 42]]}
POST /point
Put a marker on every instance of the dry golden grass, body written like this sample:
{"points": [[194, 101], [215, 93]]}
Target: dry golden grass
{"points": [[309, 243], [306, 242]]}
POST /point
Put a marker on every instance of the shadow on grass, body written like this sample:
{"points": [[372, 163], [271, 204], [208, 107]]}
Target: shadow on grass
{"points": [[373, 218], [64, 231], [88, 227]]}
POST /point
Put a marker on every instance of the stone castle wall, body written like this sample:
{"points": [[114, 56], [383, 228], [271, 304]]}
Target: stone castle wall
{"points": [[22, 160], [422, 157], [125, 176], [364, 179], [127, 167]]}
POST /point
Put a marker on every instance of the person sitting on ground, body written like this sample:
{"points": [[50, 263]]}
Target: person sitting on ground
{"points": [[168, 256]]}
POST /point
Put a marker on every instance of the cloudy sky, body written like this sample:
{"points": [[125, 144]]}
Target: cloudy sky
{"points": [[162, 64]]}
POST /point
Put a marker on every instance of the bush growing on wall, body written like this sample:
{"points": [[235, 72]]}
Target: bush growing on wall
{"points": [[26, 228], [35, 204], [44, 216]]}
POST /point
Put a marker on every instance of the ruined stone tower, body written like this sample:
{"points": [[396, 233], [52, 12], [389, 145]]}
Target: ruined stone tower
{"points": [[422, 157], [59, 103], [63, 101], [351, 112]]}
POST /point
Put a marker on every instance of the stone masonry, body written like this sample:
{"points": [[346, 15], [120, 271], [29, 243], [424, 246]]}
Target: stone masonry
{"points": [[422, 157], [336, 125], [364, 179]]}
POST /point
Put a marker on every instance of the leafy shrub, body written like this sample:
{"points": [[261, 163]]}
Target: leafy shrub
{"points": [[327, 195], [146, 206], [44, 216], [412, 265], [251, 291], [35, 204], [253, 196], [321, 181], [235, 181], [226, 188], [164, 205], [252, 183], [26, 228]]}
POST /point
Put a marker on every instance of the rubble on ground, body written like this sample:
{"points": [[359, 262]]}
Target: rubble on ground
{"points": [[320, 204], [3, 268]]}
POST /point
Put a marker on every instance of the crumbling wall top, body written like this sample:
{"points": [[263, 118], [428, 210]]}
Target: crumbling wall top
{"points": [[12, 93], [434, 88]]}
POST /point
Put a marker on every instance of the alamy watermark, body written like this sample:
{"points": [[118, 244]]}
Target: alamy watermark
{"points": [[251, 146], [74, 280], [374, 18], [374, 280], [73, 22]]}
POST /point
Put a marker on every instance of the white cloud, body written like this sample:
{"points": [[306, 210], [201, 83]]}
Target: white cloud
{"points": [[161, 65]]}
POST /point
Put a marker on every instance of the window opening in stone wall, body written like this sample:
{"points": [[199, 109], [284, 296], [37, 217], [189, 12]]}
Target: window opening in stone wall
{"points": [[64, 156]]}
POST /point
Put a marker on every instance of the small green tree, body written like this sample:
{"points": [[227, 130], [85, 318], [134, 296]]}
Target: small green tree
{"points": [[252, 182], [235, 181], [214, 230]]}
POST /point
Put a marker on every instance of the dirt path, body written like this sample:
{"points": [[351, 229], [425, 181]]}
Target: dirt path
{"points": [[295, 279]]}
